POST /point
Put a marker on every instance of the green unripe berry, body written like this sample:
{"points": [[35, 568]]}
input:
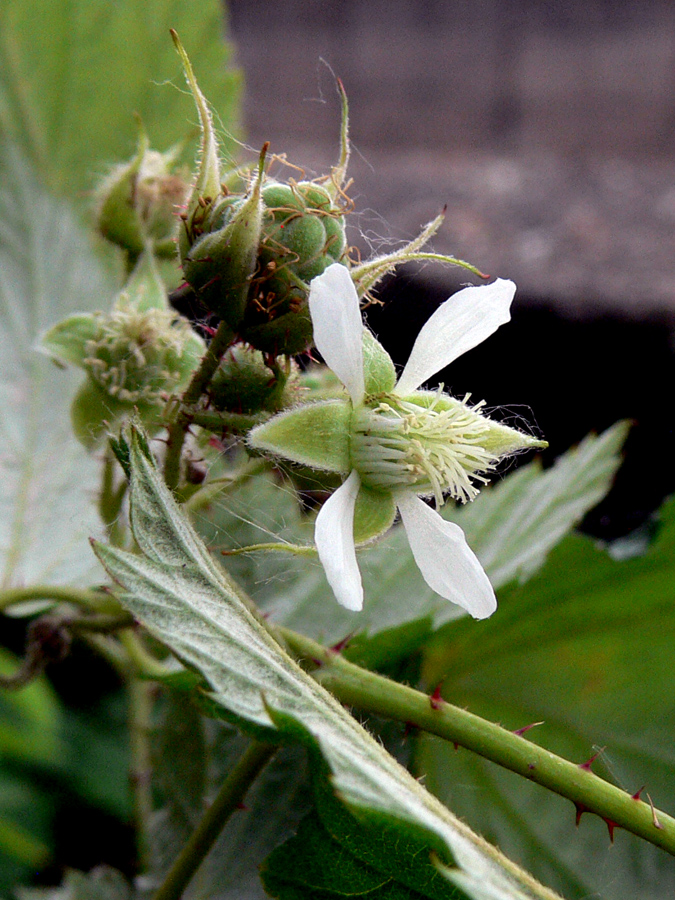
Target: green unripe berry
{"points": [[243, 383], [302, 234]]}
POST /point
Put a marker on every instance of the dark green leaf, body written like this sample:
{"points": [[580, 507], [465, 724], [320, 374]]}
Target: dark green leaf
{"points": [[587, 647], [312, 863]]}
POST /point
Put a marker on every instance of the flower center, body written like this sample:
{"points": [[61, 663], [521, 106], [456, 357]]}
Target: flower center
{"points": [[434, 448]]}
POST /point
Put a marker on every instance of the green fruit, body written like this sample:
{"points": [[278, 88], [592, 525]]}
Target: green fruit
{"points": [[252, 267], [244, 384]]}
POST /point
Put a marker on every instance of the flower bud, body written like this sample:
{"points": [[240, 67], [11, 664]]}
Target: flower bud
{"points": [[138, 202], [135, 356], [139, 357], [244, 384]]}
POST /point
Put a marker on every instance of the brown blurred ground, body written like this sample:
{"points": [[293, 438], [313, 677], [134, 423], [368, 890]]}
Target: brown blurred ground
{"points": [[547, 127]]}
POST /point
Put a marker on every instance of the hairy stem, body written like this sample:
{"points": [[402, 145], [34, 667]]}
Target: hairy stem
{"points": [[230, 795], [110, 500], [92, 601], [140, 695], [183, 418], [373, 693]]}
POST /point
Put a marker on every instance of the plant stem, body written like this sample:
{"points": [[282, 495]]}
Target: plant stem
{"points": [[230, 795], [93, 601], [143, 664], [140, 695], [221, 422], [183, 418], [110, 500], [374, 693]]}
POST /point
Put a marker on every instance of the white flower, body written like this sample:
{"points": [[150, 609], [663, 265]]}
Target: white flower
{"points": [[408, 444]]}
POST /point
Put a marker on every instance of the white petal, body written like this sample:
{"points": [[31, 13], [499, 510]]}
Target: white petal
{"points": [[446, 561], [338, 328], [334, 539], [462, 322]]}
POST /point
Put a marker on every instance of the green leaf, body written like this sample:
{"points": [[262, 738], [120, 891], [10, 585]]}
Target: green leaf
{"points": [[314, 861], [513, 526], [47, 482], [74, 72], [186, 601], [587, 648]]}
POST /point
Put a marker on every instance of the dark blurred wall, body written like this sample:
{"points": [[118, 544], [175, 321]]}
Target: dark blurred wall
{"points": [[548, 129], [569, 77]]}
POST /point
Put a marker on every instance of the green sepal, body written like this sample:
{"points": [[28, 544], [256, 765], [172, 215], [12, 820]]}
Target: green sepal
{"points": [[374, 514], [500, 440], [378, 368], [136, 202], [145, 288], [207, 184], [117, 218], [316, 435], [219, 265], [66, 341], [93, 413]]}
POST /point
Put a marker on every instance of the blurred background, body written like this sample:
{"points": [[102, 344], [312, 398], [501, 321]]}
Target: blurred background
{"points": [[548, 130]]}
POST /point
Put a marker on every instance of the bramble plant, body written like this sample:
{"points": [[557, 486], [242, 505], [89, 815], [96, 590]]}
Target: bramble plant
{"points": [[255, 585]]}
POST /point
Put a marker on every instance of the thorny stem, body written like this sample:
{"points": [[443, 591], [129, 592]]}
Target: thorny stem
{"points": [[228, 799], [374, 693], [183, 418]]}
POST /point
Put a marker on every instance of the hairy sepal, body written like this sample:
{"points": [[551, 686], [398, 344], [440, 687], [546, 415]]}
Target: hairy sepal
{"points": [[316, 435]]}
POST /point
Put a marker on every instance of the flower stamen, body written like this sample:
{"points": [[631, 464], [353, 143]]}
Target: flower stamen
{"points": [[436, 446]]}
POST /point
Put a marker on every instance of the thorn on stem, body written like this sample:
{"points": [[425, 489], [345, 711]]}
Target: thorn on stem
{"points": [[610, 827], [655, 821], [589, 762], [341, 645], [435, 700], [636, 795], [581, 808], [521, 731]]}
